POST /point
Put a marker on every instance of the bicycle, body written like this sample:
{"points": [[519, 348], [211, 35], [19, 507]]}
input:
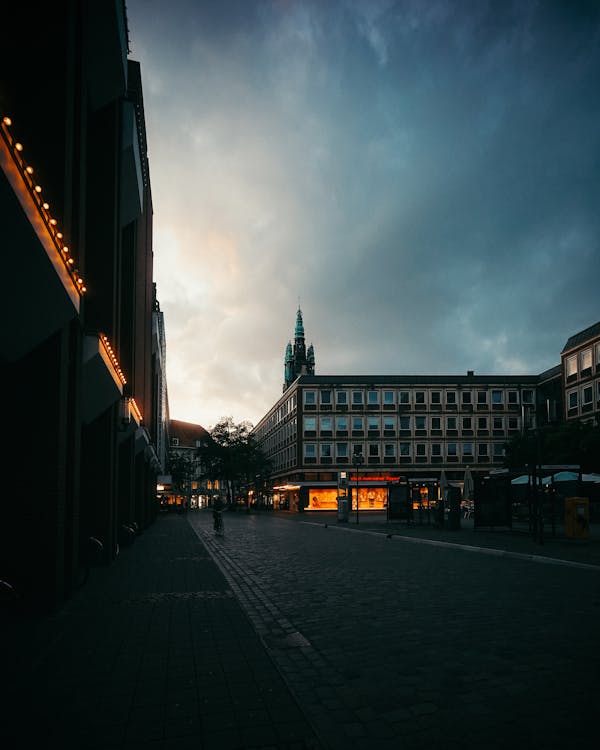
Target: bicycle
{"points": [[218, 522]]}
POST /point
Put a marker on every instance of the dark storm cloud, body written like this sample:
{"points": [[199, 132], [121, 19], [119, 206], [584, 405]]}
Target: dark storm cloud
{"points": [[424, 176]]}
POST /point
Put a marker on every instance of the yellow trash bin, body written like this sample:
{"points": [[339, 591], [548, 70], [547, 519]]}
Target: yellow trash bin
{"points": [[577, 517]]}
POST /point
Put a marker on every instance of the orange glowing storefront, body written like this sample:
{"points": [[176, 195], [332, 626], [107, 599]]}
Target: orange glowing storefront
{"points": [[323, 496]]}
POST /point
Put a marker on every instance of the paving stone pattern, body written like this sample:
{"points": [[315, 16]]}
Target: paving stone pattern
{"points": [[154, 652], [417, 643]]}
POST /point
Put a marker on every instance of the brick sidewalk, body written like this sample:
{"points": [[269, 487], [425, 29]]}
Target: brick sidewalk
{"points": [[153, 652]]}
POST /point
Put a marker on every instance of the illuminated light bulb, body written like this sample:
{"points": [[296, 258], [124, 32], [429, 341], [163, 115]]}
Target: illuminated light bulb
{"points": [[70, 261], [84, 289], [65, 249], [59, 235], [38, 188], [7, 121], [46, 206], [19, 146], [80, 281], [53, 222], [29, 170]]}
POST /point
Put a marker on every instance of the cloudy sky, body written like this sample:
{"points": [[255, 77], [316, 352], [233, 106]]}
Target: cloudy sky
{"points": [[422, 176]]}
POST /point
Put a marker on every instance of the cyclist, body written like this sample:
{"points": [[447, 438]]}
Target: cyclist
{"points": [[218, 515]]}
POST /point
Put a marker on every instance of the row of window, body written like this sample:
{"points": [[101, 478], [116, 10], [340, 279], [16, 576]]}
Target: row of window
{"points": [[393, 397], [391, 423], [583, 397], [403, 450], [581, 363]]}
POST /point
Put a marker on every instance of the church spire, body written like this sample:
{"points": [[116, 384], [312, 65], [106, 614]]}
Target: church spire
{"points": [[298, 361]]}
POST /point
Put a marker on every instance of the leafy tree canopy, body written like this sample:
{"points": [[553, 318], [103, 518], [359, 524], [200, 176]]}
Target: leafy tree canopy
{"points": [[565, 443], [231, 454]]}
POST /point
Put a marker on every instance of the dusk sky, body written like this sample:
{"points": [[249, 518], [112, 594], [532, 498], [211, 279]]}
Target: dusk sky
{"points": [[422, 177]]}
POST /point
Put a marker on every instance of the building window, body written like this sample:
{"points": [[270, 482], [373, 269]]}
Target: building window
{"points": [[421, 449], [572, 399], [342, 450], [341, 423], [373, 423], [310, 398], [373, 398], [450, 397], [404, 397], [451, 449], [587, 395], [586, 360], [436, 423], [420, 397], [357, 398], [497, 397], [388, 398], [513, 397], [482, 423], [436, 449], [498, 423], [436, 397], [513, 423], [326, 424], [451, 423], [325, 450], [528, 397], [597, 356], [466, 397], [420, 423], [310, 424], [341, 398], [405, 449], [325, 397], [389, 450], [467, 423], [571, 366], [482, 449], [357, 423], [482, 397], [310, 450], [498, 450], [405, 423], [389, 423], [373, 450], [467, 449]]}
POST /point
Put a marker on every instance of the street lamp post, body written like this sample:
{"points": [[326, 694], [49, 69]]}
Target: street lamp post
{"points": [[357, 460]]}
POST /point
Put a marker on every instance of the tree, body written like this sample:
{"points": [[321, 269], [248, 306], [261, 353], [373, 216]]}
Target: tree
{"points": [[231, 456], [565, 443]]}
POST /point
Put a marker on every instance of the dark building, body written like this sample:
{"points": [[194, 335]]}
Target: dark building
{"points": [[580, 360], [81, 356], [411, 427]]}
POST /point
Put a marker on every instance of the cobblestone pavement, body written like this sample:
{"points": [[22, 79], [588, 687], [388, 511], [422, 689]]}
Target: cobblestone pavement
{"points": [[389, 642], [153, 653]]}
